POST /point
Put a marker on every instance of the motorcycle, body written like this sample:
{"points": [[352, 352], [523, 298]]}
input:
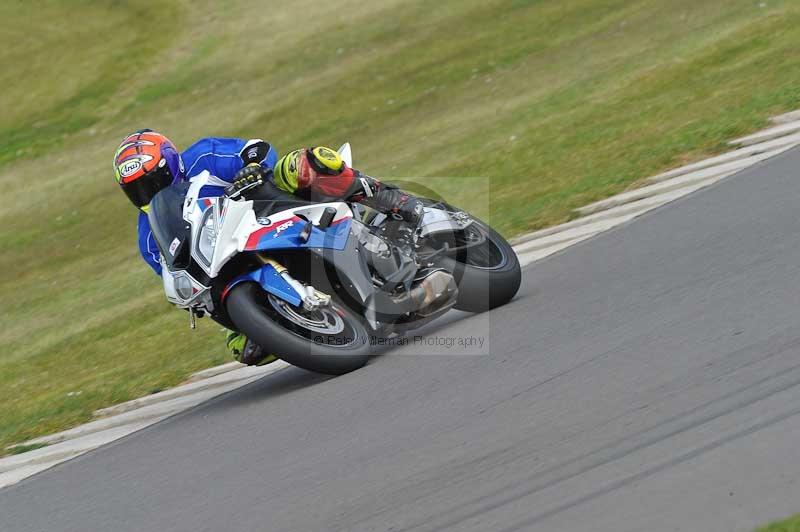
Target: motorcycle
{"points": [[318, 283]]}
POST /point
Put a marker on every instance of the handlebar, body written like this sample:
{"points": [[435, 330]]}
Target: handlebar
{"points": [[232, 192]]}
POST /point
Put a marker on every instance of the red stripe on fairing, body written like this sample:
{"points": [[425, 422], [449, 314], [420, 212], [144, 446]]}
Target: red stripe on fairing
{"points": [[225, 292], [255, 236]]}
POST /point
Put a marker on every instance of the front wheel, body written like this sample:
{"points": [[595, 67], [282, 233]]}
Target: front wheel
{"points": [[488, 272], [330, 340]]}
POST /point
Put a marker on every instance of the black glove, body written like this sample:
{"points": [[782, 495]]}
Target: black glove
{"points": [[251, 176], [395, 201], [386, 198]]}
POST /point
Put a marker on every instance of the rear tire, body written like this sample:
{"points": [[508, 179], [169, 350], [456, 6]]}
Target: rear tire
{"points": [[265, 320], [488, 275]]}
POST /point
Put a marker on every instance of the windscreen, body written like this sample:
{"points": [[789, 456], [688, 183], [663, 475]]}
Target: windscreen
{"points": [[171, 232]]}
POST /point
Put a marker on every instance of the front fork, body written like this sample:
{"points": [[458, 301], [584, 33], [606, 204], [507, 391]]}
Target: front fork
{"points": [[311, 297]]}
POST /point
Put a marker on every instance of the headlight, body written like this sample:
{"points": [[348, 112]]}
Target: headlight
{"points": [[207, 237], [183, 285]]}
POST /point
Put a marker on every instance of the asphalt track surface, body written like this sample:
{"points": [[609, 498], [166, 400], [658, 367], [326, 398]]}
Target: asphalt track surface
{"points": [[647, 379]]}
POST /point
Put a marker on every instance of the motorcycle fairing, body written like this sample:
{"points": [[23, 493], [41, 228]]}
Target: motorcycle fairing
{"points": [[269, 279], [204, 203], [170, 232], [233, 227], [284, 229], [346, 266]]}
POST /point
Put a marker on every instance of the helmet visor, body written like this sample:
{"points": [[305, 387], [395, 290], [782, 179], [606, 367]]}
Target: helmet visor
{"points": [[142, 190]]}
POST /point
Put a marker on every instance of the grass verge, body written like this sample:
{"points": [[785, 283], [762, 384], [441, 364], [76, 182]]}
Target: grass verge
{"points": [[789, 525]]}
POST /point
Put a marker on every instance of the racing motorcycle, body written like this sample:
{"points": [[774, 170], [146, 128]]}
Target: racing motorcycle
{"points": [[319, 283]]}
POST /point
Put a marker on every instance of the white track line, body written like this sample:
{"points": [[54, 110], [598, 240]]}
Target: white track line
{"points": [[735, 155], [768, 134]]}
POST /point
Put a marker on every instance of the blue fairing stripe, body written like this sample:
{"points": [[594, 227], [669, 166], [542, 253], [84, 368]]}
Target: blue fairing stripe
{"points": [[334, 237], [271, 281]]}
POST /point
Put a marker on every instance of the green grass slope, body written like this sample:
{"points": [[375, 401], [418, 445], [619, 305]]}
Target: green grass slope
{"points": [[556, 103], [789, 525]]}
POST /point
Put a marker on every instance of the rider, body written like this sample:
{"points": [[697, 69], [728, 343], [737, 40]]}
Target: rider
{"points": [[147, 162]]}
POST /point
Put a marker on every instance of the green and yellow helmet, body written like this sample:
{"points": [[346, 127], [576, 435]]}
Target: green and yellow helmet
{"points": [[296, 169], [285, 171]]}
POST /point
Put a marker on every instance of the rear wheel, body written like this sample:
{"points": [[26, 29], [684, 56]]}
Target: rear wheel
{"points": [[329, 340], [486, 269]]}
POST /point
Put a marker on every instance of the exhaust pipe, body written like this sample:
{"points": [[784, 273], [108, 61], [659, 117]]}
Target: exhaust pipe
{"points": [[432, 289], [434, 293]]}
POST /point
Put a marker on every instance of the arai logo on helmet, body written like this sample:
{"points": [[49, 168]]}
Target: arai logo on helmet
{"points": [[128, 168], [131, 166]]}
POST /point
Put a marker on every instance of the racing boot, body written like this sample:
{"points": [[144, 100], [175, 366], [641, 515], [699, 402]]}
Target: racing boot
{"points": [[247, 352]]}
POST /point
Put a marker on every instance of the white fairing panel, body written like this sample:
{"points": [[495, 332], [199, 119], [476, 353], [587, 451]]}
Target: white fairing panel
{"points": [[169, 284], [236, 223], [347, 153]]}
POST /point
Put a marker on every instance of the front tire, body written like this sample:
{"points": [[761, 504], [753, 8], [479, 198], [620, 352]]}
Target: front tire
{"points": [[333, 340]]}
